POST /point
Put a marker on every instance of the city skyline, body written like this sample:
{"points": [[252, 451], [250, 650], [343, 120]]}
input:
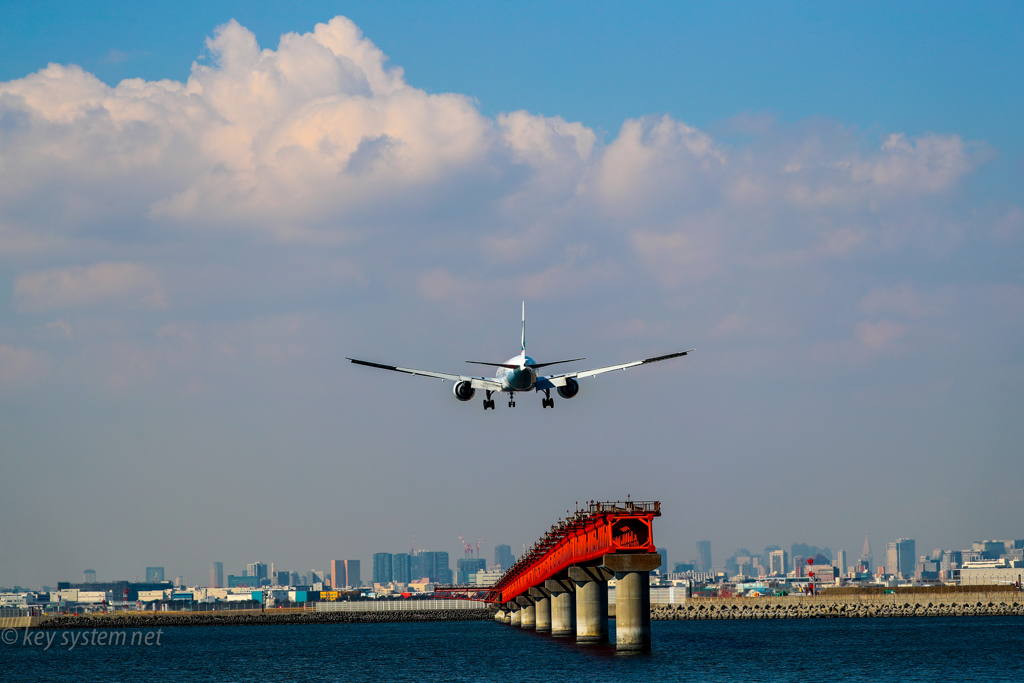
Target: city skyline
{"points": [[202, 215], [771, 556]]}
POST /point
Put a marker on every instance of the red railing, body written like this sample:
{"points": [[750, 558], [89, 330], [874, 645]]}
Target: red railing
{"points": [[461, 592], [600, 529]]}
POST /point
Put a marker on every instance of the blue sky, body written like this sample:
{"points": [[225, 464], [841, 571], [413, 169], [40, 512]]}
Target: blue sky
{"points": [[825, 200], [914, 67]]}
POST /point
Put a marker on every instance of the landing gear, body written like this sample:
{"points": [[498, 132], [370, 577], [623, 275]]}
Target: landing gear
{"points": [[511, 400], [488, 402], [547, 402]]}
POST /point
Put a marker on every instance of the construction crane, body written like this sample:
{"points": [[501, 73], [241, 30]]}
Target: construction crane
{"points": [[467, 549], [478, 542]]}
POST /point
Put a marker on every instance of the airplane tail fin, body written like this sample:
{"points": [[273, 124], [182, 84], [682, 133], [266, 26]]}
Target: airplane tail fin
{"points": [[524, 328]]}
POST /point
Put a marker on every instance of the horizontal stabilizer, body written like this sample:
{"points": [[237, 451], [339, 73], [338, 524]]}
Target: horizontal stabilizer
{"points": [[494, 365], [554, 362]]}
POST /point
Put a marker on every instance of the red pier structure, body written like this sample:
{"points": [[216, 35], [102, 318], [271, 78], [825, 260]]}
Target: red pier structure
{"points": [[571, 564]]}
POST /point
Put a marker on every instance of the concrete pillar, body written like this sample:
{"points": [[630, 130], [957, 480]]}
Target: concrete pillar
{"points": [[517, 617], [633, 611], [529, 612], [633, 599], [591, 603], [543, 606], [563, 606], [499, 616]]}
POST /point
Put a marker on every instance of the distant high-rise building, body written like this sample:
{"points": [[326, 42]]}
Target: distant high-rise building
{"points": [[297, 580], [865, 555], [338, 578], [317, 576], [257, 570], [443, 568], [282, 578], [427, 565], [345, 574], [216, 575], [434, 565], [900, 558], [778, 562], [663, 569], [892, 558], [179, 581], [907, 557], [503, 556], [352, 573], [704, 556], [90, 576], [382, 571], [437, 572], [401, 569], [841, 561], [468, 566], [154, 574], [991, 550], [416, 567], [810, 551]]}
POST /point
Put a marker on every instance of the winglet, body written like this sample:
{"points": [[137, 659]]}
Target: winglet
{"points": [[524, 328]]}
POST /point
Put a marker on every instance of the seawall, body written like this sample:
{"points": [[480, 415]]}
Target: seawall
{"points": [[270, 617], [845, 606]]}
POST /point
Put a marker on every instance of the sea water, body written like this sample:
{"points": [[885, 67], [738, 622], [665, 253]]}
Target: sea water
{"points": [[805, 650]]}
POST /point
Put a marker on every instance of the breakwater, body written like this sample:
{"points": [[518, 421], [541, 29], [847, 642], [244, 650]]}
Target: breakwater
{"points": [[123, 620], [845, 606]]}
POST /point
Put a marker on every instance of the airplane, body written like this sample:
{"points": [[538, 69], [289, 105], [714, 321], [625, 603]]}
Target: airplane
{"points": [[519, 374]]}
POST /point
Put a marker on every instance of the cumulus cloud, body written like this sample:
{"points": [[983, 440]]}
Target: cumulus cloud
{"points": [[272, 175], [321, 134]]}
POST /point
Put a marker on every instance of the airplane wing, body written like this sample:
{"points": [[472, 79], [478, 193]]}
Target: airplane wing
{"points": [[560, 380], [476, 382]]}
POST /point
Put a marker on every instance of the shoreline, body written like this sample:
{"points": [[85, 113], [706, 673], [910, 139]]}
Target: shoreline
{"points": [[790, 607], [123, 620]]}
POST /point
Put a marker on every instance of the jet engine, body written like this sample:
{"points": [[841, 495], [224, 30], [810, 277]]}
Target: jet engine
{"points": [[464, 391], [569, 389]]}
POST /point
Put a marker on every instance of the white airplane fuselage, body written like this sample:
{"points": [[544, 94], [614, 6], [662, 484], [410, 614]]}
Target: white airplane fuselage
{"points": [[521, 378]]}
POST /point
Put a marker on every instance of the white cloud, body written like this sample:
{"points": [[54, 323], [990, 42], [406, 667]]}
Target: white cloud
{"points": [[679, 256], [654, 162], [283, 179], [129, 284], [931, 163], [878, 335], [901, 299], [319, 138]]}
